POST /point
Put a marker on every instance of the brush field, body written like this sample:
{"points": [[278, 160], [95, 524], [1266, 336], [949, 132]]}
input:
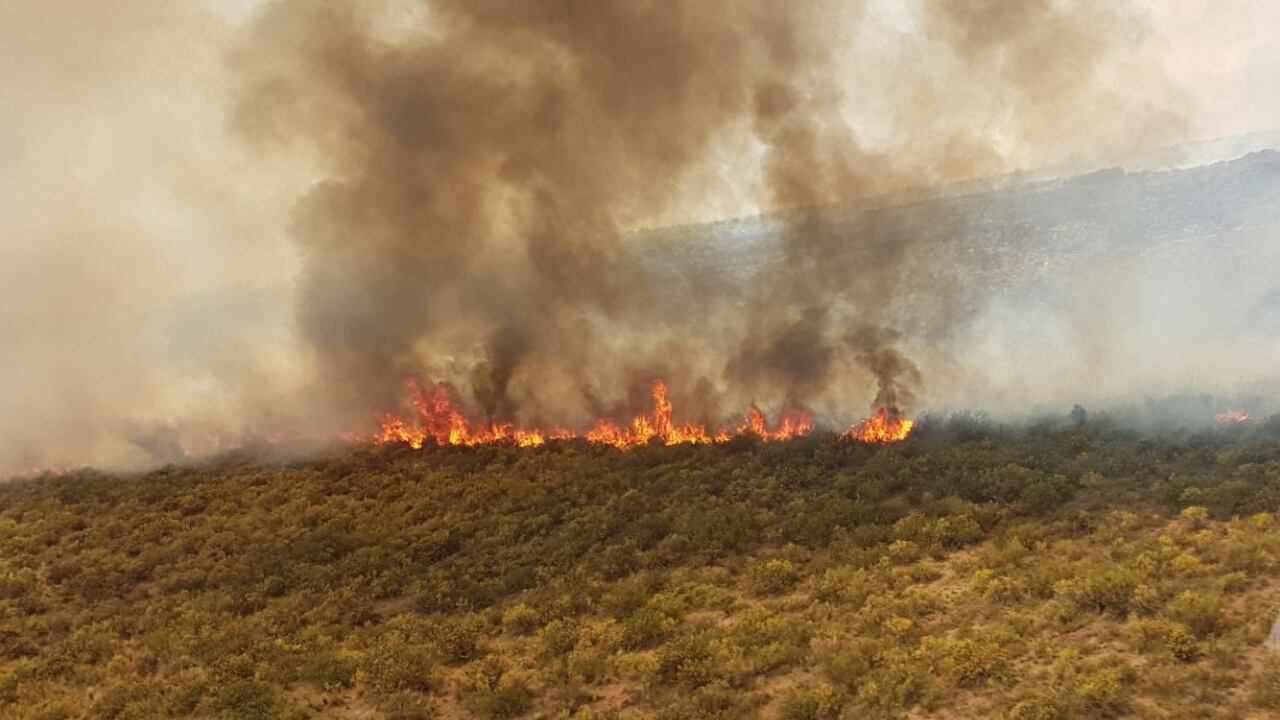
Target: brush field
{"points": [[973, 571]]}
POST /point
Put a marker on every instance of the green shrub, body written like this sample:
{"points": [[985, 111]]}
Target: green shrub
{"points": [[506, 699], [456, 641], [1182, 643], [686, 660], [396, 666], [488, 691], [1102, 591], [899, 683], [1103, 692], [714, 701], [850, 663], [328, 669], [808, 704], [1042, 706], [558, 637], [720, 531], [772, 576], [971, 663], [624, 600], [246, 700], [521, 620], [1202, 613], [646, 627]]}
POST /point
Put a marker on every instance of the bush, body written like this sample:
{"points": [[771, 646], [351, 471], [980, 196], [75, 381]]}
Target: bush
{"points": [[1103, 692], [396, 666], [1202, 613], [807, 704], [1102, 591], [772, 577], [686, 661], [1181, 643], [900, 683], [847, 665], [328, 669], [645, 628], [521, 620], [558, 637], [488, 691], [246, 700], [507, 699], [1042, 706], [456, 641], [971, 663]]}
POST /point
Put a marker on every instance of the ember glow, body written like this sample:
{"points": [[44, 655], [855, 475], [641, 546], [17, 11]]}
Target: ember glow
{"points": [[883, 428], [34, 471], [438, 418], [1234, 417]]}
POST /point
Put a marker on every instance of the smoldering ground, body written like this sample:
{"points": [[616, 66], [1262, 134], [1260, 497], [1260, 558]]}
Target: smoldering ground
{"points": [[459, 183]]}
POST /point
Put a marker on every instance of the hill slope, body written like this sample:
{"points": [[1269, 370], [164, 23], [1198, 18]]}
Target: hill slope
{"points": [[968, 572]]}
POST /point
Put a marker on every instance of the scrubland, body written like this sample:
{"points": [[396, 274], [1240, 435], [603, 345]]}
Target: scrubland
{"points": [[1054, 571]]}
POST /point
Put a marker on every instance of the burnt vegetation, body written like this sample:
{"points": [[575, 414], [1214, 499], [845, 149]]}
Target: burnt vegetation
{"points": [[1068, 569]]}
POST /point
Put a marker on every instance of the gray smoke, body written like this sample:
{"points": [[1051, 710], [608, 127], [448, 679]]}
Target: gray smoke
{"points": [[482, 160], [228, 219]]}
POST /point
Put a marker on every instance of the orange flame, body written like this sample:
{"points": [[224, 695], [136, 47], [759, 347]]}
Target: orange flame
{"points": [[1234, 417], [644, 429], [882, 428], [439, 419]]}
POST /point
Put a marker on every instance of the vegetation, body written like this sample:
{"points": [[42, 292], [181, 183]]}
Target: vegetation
{"points": [[1061, 571]]}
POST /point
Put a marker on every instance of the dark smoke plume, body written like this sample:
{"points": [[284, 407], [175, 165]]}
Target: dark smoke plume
{"points": [[482, 160], [896, 376]]}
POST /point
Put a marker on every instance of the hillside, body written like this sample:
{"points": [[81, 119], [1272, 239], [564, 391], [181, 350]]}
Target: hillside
{"points": [[1022, 232], [972, 571]]}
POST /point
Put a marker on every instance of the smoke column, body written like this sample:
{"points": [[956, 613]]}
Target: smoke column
{"points": [[482, 161], [226, 219]]}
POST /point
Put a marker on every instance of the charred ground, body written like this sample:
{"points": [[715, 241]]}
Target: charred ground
{"points": [[1062, 570]]}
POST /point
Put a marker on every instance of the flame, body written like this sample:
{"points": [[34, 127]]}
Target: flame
{"points": [[36, 471], [882, 428], [645, 429], [440, 420], [795, 423], [1234, 417]]}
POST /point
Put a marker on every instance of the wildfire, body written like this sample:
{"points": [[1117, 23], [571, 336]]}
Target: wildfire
{"points": [[33, 471], [1234, 417], [882, 428], [440, 420]]}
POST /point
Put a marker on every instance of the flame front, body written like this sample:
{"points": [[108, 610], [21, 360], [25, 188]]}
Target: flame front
{"points": [[882, 428], [439, 420], [1234, 417]]}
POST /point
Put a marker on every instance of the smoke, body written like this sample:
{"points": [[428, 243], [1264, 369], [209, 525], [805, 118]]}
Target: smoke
{"points": [[896, 376], [482, 161], [272, 216], [143, 267]]}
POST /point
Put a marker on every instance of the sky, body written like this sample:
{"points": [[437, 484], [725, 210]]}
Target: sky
{"points": [[1226, 55], [134, 225]]}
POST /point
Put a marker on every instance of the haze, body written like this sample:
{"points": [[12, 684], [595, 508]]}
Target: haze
{"points": [[166, 273]]}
